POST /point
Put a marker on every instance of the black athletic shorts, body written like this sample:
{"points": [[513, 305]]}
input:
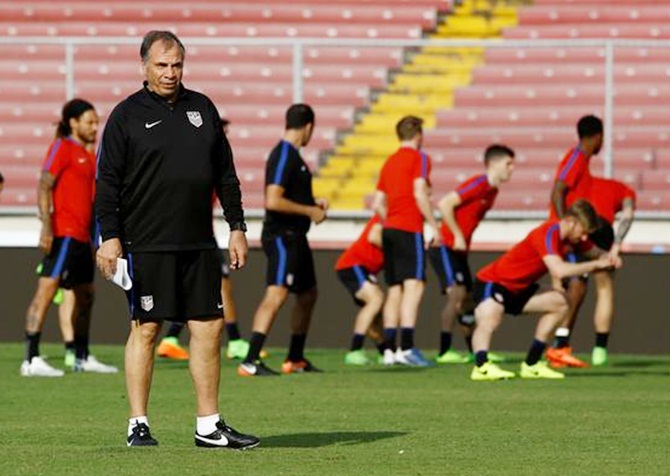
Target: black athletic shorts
{"points": [[353, 279], [451, 267], [290, 261], [513, 302], [603, 237], [404, 256], [176, 286], [69, 261]]}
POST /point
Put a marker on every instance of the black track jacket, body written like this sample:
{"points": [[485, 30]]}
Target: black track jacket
{"points": [[158, 166]]}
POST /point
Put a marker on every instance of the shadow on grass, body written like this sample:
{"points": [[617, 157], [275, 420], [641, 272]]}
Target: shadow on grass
{"points": [[637, 363], [316, 440]]}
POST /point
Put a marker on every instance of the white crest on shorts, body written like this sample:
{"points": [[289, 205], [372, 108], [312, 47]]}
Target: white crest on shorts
{"points": [[289, 279], [499, 297], [194, 118], [147, 302], [459, 277], [372, 278]]}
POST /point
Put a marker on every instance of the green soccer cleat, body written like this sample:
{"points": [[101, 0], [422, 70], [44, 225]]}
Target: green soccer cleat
{"points": [[490, 372], [496, 358], [452, 357], [539, 370], [237, 349], [69, 359], [356, 357], [599, 356]]}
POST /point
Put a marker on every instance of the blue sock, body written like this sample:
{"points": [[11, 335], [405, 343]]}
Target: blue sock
{"points": [[481, 357]]}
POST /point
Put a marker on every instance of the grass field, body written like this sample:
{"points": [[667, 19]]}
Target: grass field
{"points": [[348, 421]]}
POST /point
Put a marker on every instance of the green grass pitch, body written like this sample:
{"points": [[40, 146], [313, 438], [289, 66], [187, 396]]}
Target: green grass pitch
{"points": [[347, 421]]}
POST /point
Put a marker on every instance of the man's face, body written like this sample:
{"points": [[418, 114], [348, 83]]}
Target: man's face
{"points": [[164, 68], [85, 128], [597, 144], [577, 232], [503, 168]]}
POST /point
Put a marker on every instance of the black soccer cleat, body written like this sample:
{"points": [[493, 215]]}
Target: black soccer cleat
{"points": [[255, 369], [226, 437], [141, 436]]}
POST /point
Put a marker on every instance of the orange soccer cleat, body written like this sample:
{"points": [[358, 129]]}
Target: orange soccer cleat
{"points": [[169, 348], [304, 365], [562, 357]]}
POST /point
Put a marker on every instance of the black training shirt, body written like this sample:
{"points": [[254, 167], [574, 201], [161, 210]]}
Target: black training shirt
{"points": [[286, 168], [158, 166]]}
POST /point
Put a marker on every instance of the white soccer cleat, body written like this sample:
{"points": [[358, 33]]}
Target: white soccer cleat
{"points": [[91, 364], [38, 367], [389, 357]]}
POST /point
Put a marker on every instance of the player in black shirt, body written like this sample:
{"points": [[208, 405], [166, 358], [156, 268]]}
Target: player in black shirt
{"points": [[162, 155], [290, 208]]}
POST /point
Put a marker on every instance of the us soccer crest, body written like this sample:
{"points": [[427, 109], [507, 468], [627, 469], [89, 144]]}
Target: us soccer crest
{"points": [[147, 302], [194, 118]]}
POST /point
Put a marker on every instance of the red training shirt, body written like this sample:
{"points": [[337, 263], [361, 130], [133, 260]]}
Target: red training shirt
{"points": [[74, 190], [522, 265], [607, 197], [575, 173], [396, 180], [363, 253], [477, 197]]}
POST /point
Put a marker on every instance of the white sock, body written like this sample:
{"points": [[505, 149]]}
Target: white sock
{"points": [[206, 425], [134, 421], [562, 332]]}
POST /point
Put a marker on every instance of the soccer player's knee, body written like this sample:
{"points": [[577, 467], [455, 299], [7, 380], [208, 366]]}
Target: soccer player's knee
{"points": [[561, 304]]}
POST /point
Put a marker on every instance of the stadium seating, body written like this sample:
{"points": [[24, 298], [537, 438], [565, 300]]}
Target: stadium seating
{"points": [[529, 98]]}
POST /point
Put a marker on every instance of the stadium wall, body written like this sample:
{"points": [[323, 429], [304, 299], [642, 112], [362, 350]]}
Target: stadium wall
{"points": [[641, 326]]}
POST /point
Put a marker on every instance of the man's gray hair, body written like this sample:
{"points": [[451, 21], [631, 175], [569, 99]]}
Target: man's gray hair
{"points": [[159, 35]]}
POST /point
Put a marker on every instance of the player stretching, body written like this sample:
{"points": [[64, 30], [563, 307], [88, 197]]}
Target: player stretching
{"points": [[508, 286]]}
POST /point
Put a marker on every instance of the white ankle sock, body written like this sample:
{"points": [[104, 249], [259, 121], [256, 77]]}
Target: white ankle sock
{"points": [[206, 425], [134, 421]]}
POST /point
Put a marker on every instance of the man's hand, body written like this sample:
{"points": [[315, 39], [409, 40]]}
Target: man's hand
{"points": [[106, 256], [615, 251], [317, 214], [436, 239], [322, 203], [46, 237], [238, 249], [459, 243]]}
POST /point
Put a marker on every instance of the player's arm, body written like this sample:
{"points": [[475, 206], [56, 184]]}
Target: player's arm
{"points": [[111, 170], [422, 198], [379, 204], [276, 202], [560, 269], [625, 222], [44, 204], [558, 192], [447, 206], [375, 235]]}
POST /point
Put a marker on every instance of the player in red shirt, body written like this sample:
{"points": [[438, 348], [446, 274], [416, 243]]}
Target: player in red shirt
{"points": [[357, 268], [608, 197], [508, 285], [402, 200], [573, 177], [462, 210], [65, 203]]}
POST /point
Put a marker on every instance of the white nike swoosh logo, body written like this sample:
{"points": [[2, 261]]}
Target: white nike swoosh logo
{"points": [[219, 306], [223, 441], [82, 161], [150, 125]]}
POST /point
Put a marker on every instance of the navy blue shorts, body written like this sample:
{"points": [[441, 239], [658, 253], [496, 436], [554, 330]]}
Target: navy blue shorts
{"points": [[451, 267], [404, 256], [353, 279], [290, 262], [70, 261], [512, 302]]}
